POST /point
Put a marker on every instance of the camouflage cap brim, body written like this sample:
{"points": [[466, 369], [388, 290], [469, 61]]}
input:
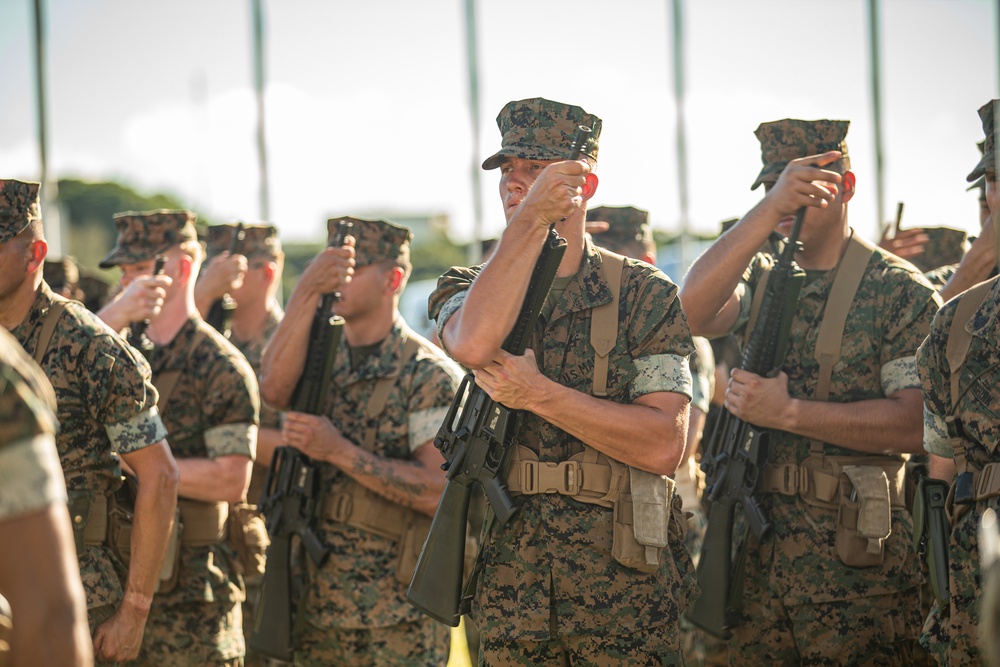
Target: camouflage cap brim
{"points": [[771, 172], [374, 240], [144, 235], [19, 207], [540, 129]]}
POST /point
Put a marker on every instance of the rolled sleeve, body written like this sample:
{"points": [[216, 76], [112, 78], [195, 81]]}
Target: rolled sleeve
{"points": [[900, 374], [936, 435], [142, 430], [231, 439], [447, 310], [662, 372], [30, 476], [423, 425]]}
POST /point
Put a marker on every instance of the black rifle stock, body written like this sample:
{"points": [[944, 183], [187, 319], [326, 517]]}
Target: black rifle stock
{"points": [[737, 451], [475, 440], [293, 495], [220, 315], [138, 330]]}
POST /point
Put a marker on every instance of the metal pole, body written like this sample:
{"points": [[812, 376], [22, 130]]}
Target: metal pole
{"points": [[50, 188], [677, 23], [259, 84], [874, 32], [472, 59]]}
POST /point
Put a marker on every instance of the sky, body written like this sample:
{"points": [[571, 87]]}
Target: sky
{"points": [[368, 101]]}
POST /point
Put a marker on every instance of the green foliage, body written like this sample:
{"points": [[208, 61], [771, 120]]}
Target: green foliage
{"points": [[89, 210]]}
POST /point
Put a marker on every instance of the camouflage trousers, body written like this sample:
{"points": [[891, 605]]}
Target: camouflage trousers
{"points": [[879, 630], [423, 642], [192, 634], [655, 647]]}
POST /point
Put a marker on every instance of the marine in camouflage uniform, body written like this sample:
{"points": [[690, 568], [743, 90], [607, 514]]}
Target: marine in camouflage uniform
{"points": [[802, 601], [253, 322], [210, 402], [106, 408], [550, 592], [951, 636], [38, 569], [378, 464], [626, 231]]}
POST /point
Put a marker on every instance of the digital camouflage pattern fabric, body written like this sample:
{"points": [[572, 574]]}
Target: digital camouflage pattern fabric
{"points": [[628, 231], [364, 593], [987, 164], [782, 141], [356, 588], [554, 556], [798, 569], [106, 405], [952, 636], [30, 475], [144, 235], [258, 240], [374, 240], [212, 412], [945, 247], [540, 129], [18, 207]]}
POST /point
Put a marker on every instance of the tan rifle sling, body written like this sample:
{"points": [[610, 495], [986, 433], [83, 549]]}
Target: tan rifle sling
{"points": [[959, 341], [604, 321], [56, 311], [166, 381], [383, 387]]}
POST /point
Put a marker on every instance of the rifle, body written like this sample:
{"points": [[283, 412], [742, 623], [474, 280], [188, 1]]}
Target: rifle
{"points": [[476, 445], [138, 334], [292, 494], [737, 451], [220, 315]]}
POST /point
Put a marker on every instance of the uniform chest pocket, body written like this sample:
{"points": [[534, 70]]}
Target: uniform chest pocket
{"points": [[981, 418]]}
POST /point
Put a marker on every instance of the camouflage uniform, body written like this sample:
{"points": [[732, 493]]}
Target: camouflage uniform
{"points": [[259, 242], [356, 611], [30, 476], [952, 636], [801, 602], [212, 412], [549, 574], [106, 406]]}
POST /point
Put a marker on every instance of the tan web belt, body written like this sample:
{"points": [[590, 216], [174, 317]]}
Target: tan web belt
{"points": [[360, 508], [95, 532], [588, 477], [973, 486], [204, 523], [791, 479]]}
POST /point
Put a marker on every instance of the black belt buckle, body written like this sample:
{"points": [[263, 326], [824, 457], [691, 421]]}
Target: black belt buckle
{"points": [[964, 491]]}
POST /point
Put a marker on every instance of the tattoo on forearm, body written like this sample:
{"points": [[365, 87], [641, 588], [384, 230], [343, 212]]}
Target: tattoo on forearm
{"points": [[395, 488]]}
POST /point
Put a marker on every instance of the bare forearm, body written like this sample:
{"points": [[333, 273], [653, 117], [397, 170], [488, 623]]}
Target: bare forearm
{"points": [[285, 355], [268, 439], [976, 266], [478, 329], [640, 435], [411, 484], [214, 480], [707, 292], [938, 467], [115, 314], [154, 516], [878, 426]]}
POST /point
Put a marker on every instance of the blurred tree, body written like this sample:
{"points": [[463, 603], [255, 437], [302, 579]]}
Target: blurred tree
{"points": [[90, 210]]}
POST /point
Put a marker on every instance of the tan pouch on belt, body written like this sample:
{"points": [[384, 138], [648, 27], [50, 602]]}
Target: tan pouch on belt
{"points": [[864, 516], [642, 518]]}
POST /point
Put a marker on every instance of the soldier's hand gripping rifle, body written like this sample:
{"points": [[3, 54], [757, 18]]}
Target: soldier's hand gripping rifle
{"points": [[737, 451], [137, 335], [292, 495], [220, 315], [476, 445]]}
